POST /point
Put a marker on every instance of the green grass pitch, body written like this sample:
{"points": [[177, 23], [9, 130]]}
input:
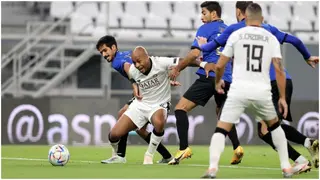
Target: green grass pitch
{"points": [[31, 162]]}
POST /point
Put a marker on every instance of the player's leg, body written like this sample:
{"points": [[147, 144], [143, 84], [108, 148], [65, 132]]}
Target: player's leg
{"points": [[233, 136], [119, 156], [122, 127], [123, 140], [265, 135], [182, 122], [230, 115], [199, 93], [158, 120], [311, 144], [265, 110], [292, 134], [166, 156]]}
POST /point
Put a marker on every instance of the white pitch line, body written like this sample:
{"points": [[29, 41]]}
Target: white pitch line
{"points": [[194, 165]]}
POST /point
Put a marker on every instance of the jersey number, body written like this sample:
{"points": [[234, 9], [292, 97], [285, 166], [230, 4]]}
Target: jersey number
{"points": [[254, 56]]}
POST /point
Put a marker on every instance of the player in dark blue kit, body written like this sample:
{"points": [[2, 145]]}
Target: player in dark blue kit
{"points": [[291, 133], [203, 88], [107, 46]]}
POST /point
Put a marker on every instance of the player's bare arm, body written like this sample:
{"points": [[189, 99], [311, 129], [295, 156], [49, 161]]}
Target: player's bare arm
{"points": [[209, 67], [195, 63], [135, 86], [281, 82], [220, 66], [189, 59]]}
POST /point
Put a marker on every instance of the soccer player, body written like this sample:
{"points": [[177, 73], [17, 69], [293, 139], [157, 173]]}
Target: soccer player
{"points": [[291, 133], [151, 75], [203, 88], [107, 46], [253, 49]]}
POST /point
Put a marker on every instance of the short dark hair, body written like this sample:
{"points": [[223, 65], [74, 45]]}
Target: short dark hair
{"points": [[212, 6], [242, 5], [254, 8], [108, 40]]}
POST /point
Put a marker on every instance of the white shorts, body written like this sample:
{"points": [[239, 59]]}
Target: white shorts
{"points": [[141, 113], [235, 106]]}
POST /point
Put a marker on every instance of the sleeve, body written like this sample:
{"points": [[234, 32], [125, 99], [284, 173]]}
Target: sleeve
{"points": [[119, 66], [280, 35], [166, 62], [200, 32], [221, 40], [133, 72], [276, 50], [229, 47], [298, 44]]}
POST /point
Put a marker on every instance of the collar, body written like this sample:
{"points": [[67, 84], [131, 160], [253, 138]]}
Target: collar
{"points": [[115, 55], [217, 20], [254, 26], [147, 72]]}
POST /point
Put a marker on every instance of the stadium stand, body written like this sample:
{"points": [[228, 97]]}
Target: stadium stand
{"points": [[166, 15], [63, 22]]}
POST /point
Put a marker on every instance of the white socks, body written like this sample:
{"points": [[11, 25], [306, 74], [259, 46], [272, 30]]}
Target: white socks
{"points": [[280, 142], [114, 148], [307, 143], [301, 159], [154, 143], [216, 148]]}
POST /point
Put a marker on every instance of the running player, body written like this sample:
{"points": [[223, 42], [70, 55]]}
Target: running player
{"points": [[253, 49], [203, 88], [291, 133], [151, 75], [107, 46]]}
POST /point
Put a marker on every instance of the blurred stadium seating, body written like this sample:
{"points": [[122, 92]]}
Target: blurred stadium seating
{"points": [[50, 28], [166, 15]]}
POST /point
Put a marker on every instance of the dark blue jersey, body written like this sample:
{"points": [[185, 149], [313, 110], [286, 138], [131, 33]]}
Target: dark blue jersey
{"points": [[211, 31], [222, 40], [119, 60]]}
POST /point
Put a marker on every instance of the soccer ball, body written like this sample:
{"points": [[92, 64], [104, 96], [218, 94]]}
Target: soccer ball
{"points": [[58, 155]]}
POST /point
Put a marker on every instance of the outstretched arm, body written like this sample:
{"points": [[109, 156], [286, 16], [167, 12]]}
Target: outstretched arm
{"points": [[297, 43], [220, 40], [190, 59], [135, 87], [210, 46]]}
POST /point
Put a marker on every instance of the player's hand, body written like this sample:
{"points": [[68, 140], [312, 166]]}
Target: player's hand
{"points": [[201, 40], [136, 91], [220, 86], [313, 61], [283, 107], [174, 73], [209, 67], [175, 83]]}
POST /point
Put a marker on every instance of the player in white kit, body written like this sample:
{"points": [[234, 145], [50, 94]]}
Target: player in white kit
{"points": [[151, 75], [253, 49]]}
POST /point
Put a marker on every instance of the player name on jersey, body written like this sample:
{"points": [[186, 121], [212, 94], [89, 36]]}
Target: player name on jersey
{"points": [[254, 37]]}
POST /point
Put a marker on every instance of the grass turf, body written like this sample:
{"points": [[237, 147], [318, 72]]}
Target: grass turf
{"points": [[258, 162]]}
